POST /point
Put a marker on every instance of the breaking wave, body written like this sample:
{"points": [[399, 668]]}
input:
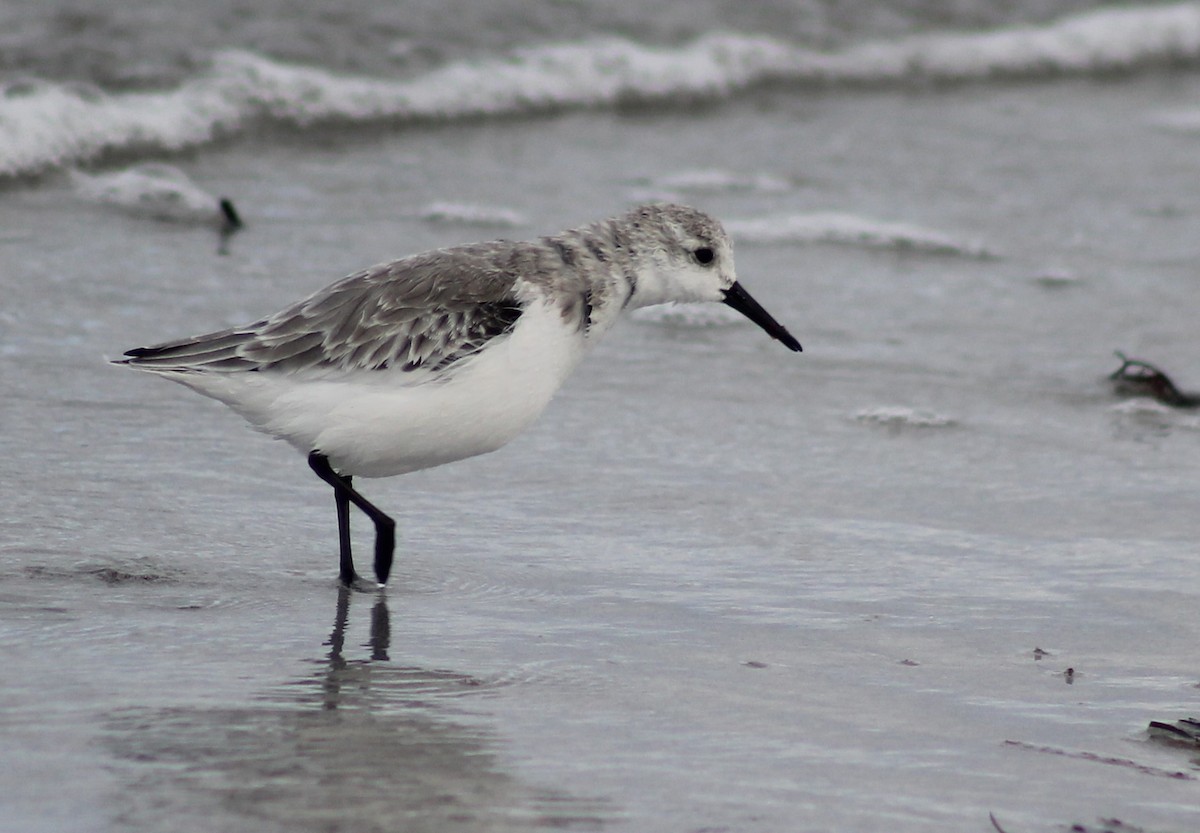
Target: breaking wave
{"points": [[45, 125]]}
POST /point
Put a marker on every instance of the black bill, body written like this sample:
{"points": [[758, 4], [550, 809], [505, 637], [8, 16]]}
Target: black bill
{"points": [[741, 301]]}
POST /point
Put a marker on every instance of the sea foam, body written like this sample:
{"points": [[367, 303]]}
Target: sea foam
{"points": [[154, 191], [472, 214], [852, 230], [45, 125], [899, 416]]}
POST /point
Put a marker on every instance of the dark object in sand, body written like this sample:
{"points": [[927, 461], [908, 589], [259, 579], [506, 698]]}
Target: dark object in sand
{"points": [[1107, 826], [1138, 378], [231, 224], [233, 221], [1103, 759], [1184, 732]]}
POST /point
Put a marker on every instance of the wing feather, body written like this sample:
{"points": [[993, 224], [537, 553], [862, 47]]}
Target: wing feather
{"points": [[423, 312]]}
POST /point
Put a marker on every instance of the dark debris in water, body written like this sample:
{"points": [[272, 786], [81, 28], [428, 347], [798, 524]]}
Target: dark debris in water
{"points": [[1102, 826], [1185, 732], [1107, 826], [1139, 378], [231, 224], [232, 221], [1103, 759]]}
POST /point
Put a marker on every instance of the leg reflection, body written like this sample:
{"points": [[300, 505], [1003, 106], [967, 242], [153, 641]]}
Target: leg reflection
{"points": [[340, 671], [337, 639], [381, 629]]}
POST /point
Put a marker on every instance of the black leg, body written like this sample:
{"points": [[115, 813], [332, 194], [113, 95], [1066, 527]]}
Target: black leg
{"points": [[344, 494], [343, 515]]}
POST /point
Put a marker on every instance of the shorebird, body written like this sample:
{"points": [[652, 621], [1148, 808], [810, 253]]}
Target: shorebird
{"points": [[450, 353]]}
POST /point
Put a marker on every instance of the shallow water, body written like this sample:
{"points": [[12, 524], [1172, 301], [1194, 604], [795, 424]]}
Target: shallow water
{"points": [[719, 586]]}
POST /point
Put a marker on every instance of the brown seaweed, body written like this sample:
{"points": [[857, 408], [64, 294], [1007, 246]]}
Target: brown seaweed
{"points": [[1139, 378]]}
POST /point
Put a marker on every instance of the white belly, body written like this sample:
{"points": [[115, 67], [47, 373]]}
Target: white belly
{"points": [[378, 424]]}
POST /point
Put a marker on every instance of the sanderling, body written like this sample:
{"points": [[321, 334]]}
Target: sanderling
{"points": [[447, 354]]}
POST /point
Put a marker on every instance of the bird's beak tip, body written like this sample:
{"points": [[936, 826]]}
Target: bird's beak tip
{"points": [[739, 299]]}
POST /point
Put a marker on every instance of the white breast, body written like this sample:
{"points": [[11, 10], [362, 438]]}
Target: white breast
{"points": [[379, 423]]}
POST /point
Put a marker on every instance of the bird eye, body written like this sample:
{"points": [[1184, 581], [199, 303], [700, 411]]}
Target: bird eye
{"points": [[704, 255]]}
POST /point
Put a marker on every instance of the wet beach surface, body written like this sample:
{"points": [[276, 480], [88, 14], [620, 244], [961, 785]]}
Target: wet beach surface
{"points": [[718, 586]]}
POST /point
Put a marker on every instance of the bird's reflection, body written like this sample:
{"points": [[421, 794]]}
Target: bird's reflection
{"points": [[340, 670], [349, 680], [381, 629], [362, 743]]}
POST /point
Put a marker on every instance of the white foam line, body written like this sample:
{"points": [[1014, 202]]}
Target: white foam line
{"points": [[44, 124], [851, 230]]}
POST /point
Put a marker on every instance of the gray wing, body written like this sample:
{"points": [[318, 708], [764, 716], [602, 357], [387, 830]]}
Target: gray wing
{"points": [[427, 311]]}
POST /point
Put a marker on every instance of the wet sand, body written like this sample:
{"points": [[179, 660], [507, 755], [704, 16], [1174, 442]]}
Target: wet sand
{"points": [[713, 589]]}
